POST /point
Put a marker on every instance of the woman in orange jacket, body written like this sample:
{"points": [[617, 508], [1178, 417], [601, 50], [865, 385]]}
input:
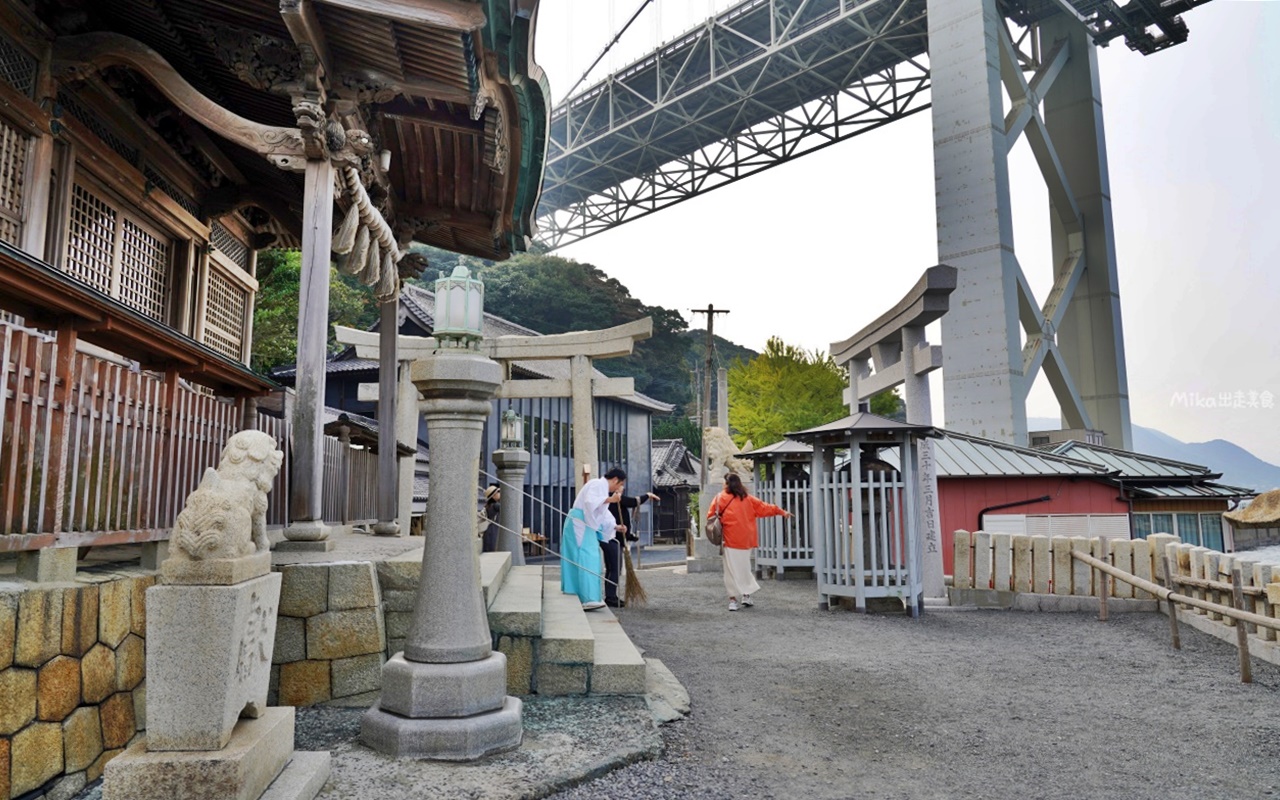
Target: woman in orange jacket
{"points": [[738, 514]]}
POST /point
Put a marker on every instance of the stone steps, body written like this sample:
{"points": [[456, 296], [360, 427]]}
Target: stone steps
{"points": [[618, 667], [567, 648], [553, 647]]}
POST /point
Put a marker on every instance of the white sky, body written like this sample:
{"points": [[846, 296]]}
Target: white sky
{"points": [[814, 250]]}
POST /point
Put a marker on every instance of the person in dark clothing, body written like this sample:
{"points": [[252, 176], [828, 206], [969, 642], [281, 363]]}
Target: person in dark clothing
{"points": [[492, 498], [621, 510], [611, 549]]}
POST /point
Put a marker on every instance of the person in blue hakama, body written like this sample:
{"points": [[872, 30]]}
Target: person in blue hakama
{"points": [[589, 523]]}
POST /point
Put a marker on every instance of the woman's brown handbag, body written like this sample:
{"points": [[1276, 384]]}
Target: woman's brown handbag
{"points": [[714, 530]]}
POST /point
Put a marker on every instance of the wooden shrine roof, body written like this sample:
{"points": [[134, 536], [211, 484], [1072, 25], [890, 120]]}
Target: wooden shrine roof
{"points": [[447, 87]]}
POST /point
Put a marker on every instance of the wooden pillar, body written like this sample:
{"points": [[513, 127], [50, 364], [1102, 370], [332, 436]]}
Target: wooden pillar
{"points": [[64, 381], [388, 372], [585, 450], [306, 476], [38, 179]]}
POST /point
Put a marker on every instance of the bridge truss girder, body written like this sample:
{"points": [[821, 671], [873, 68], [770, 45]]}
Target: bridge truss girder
{"points": [[754, 87]]}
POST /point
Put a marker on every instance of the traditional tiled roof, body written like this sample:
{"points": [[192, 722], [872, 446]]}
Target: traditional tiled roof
{"points": [[672, 464]]}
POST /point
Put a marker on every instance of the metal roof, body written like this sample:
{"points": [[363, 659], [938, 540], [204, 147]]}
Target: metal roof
{"points": [[959, 455], [782, 447], [1195, 490], [863, 422], [1130, 465]]}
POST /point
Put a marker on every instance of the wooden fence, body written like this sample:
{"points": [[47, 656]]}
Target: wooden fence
{"points": [[111, 458], [785, 543]]}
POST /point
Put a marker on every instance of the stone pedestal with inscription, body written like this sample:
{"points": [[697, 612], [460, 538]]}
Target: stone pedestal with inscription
{"points": [[209, 660], [211, 630]]}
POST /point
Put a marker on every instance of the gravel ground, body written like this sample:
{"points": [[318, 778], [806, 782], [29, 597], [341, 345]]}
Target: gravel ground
{"points": [[791, 702]]}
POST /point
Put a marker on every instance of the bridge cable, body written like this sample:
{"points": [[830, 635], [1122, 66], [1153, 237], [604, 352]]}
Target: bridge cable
{"points": [[607, 48]]}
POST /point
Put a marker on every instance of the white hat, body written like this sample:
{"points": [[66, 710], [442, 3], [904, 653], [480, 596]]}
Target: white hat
{"points": [[489, 492]]}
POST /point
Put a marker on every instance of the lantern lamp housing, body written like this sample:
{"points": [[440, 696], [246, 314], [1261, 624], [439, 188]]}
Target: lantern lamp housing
{"points": [[459, 309]]}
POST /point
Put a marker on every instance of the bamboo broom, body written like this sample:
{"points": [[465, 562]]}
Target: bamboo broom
{"points": [[633, 593]]}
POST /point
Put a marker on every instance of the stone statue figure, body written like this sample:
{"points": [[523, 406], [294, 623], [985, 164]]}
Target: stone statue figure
{"points": [[722, 457], [226, 516]]}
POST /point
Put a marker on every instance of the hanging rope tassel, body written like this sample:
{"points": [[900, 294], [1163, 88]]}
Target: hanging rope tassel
{"points": [[389, 280], [346, 235], [369, 275], [354, 263], [633, 593]]}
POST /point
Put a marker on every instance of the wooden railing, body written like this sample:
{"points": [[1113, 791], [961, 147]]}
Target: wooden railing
{"points": [[111, 458]]}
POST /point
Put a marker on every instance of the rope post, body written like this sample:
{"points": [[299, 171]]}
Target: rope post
{"points": [[1104, 588], [1173, 607], [1242, 631]]}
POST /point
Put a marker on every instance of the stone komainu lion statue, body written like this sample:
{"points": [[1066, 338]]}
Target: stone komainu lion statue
{"points": [[226, 516]]}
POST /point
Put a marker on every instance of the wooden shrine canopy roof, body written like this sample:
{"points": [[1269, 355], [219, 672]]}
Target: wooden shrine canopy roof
{"points": [[446, 89], [48, 297]]}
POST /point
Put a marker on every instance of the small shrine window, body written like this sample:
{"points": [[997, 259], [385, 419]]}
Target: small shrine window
{"points": [[118, 253]]}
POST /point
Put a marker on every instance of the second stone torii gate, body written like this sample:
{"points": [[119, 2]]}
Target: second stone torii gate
{"points": [[579, 348]]}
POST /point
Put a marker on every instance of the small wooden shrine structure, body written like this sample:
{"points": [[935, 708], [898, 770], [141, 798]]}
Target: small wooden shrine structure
{"points": [[782, 478], [866, 517]]}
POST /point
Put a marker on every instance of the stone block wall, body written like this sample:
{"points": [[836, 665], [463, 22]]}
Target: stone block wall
{"points": [[331, 640], [1009, 563], [72, 678]]}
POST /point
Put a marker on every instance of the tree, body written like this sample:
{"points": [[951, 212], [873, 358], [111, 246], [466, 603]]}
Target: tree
{"points": [[550, 294], [888, 404], [275, 311], [783, 389], [679, 427]]}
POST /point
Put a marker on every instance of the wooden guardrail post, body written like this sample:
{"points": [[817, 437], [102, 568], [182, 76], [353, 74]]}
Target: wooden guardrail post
{"points": [[1242, 631], [1173, 607]]}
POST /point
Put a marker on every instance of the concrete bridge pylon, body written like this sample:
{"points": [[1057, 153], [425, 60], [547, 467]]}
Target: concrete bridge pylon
{"points": [[998, 335]]}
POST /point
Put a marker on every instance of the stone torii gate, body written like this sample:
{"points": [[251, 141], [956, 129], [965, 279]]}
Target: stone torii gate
{"points": [[579, 348], [895, 344]]}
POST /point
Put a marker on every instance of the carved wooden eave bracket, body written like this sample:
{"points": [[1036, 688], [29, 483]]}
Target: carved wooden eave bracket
{"points": [[78, 57]]}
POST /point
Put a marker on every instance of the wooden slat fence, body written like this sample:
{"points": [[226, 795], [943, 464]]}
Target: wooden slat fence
{"points": [[111, 455], [871, 559], [785, 543]]}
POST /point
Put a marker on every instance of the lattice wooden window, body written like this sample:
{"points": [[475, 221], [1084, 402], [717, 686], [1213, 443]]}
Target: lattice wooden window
{"points": [[226, 242], [91, 243], [118, 254], [144, 270], [14, 146], [224, 315], [17, 66]]}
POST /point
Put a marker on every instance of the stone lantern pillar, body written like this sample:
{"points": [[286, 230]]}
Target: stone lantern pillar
{"points": [[444, 697], [511, 466]]}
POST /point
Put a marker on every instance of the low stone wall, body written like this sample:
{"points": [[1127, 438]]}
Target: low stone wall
{"points": [[72, 678], [1038, 573], [994, 568], [331, 641]]}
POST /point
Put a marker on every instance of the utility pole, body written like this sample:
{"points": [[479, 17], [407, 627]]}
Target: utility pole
{"points": [[711, 312]]}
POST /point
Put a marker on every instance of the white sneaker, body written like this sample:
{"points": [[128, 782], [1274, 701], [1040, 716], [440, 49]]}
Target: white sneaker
{"points": [[592, 606], [733, 605], [746, 600]]}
